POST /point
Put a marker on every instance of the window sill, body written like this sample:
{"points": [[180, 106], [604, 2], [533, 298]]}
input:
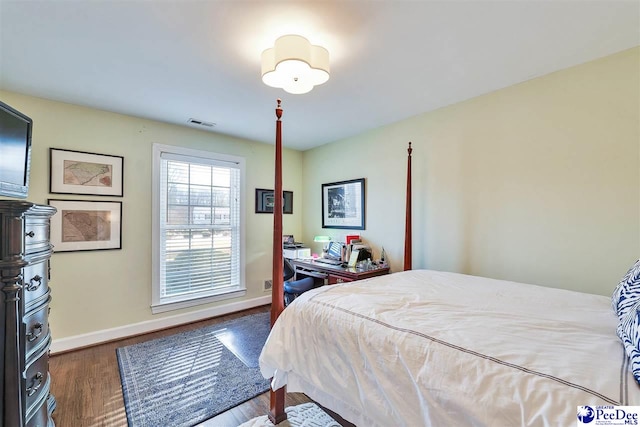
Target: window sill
{"points": [[170, 306]]}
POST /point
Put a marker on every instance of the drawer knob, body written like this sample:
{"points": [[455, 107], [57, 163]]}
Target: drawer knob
{"points": [[35, 332], [30, 234], [36, 382], [32, 287]]}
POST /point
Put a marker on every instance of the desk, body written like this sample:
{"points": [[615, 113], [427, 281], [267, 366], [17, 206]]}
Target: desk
{"points": [[333, 274]]}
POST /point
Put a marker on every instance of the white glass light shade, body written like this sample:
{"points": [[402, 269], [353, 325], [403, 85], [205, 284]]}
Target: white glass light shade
{"points": [[295, 65]]}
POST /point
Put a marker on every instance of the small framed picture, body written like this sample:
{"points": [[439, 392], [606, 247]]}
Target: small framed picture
{"points": [[353, 259], [83, 225], [78, 172], [265, 201]]}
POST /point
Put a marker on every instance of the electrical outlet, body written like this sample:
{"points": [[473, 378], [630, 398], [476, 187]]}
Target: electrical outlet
{"points": [[268, 284]]}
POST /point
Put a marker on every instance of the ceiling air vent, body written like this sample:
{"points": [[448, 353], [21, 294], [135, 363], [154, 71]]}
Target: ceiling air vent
{"points": [[201, 123]]}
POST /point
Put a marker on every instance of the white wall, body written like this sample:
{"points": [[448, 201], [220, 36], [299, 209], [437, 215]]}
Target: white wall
{"points": [[535, 183], [102, 290]]}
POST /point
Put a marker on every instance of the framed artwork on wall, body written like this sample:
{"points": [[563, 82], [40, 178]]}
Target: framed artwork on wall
{"points": [[86, 225], [343, 204], [265, 201], [78, 172]]}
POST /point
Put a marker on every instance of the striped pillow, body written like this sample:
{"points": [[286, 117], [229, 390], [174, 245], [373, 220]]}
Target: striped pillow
{"points": [[629, 332], [627, 293]]}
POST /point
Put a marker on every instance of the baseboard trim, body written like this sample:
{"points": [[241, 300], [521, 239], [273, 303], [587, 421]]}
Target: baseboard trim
{"points": [[75, 342]]}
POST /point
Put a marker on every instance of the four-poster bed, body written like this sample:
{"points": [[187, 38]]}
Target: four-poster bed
{"points": [[423, 347]]}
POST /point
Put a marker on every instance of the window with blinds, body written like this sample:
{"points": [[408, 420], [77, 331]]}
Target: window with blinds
{"points": [[199, 226]]}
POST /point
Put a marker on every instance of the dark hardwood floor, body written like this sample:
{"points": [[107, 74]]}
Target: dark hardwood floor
{"points": [[86, 384]]}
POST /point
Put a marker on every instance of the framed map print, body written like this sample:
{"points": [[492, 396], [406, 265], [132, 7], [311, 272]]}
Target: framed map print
{"points": [[78, 172], [83, 225]]}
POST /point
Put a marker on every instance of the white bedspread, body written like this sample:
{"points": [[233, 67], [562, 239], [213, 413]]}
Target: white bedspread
{"points": [[427, 348]]}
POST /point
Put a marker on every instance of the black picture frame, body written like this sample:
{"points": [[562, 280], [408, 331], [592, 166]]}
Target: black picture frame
{"points": [[343, 204], [86, 225], [80, 172], [264, 201]]}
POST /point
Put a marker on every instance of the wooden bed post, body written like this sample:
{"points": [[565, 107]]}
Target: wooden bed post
{"points": [[276, 411], [407, 224]]}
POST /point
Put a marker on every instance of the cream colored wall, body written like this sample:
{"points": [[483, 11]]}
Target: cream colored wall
{"points": [[98, 290], [536, 183]]}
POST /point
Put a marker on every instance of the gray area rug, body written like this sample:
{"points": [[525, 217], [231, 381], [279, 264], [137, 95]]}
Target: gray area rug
{"points": [[304, 415], [183, 379]]}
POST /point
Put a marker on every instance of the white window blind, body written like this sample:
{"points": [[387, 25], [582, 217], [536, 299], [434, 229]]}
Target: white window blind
{"points": [[199, 227]]}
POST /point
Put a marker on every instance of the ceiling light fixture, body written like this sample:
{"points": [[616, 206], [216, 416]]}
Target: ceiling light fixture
{"points": [[295, 65]]}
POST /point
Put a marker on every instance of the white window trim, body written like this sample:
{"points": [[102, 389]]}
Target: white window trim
{"points": [[156, 305]]}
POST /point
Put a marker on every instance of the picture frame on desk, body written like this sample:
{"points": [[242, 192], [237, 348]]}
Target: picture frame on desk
{"points": [[353, 258], [343, 204]]}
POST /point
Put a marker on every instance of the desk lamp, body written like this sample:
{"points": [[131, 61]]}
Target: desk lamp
{"points": [[325, 240]]}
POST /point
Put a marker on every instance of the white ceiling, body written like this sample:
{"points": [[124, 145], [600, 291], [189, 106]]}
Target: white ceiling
{"points": [[175, 60]]}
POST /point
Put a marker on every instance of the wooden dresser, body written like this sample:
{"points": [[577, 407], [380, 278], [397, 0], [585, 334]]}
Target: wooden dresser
{"points": [[24, 310]]}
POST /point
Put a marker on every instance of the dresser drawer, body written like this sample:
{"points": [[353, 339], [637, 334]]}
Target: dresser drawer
{"points": [[35, 282], [36, 382], [36, 328], [36, 234]]}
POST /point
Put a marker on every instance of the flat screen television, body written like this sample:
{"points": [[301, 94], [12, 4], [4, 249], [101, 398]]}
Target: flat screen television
{"points": [[15, 152]]}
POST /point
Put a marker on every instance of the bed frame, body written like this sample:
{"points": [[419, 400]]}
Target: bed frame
{"points": [[276, 411]]}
